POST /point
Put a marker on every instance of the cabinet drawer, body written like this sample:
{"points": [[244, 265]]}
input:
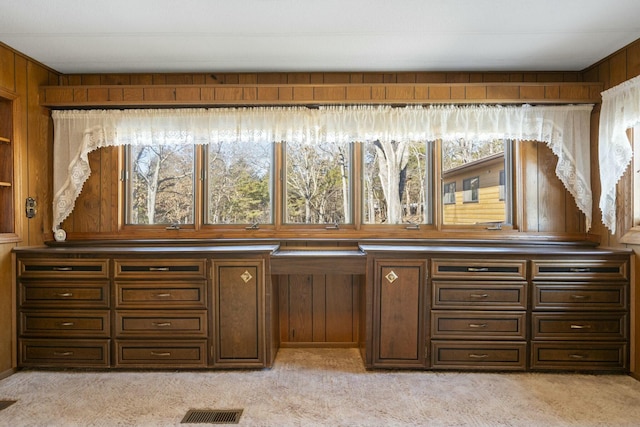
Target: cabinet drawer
{"points": [[148, 354], [65, 323], [63, 268], [161, 294], [478, 325], [64, 353], [579, 356], [64, 294], [478, 355], [478, 269], [581, 270], [160, 268], [479, 295], [583, 296], [183, 323], [591, 326]]}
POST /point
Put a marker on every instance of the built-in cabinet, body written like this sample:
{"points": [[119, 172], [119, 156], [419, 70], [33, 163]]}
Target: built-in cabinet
{"points": [[494, 307], [399, 310], [428, 306], [478, 314], [143, 308]]}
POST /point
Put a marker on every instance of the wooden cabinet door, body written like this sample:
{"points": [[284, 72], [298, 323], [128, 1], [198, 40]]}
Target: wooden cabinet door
{"points": [[238, 311], [399, 306]]}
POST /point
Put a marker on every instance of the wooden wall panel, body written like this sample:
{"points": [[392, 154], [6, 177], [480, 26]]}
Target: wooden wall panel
{"points": [[32, 141], [319, 309]]}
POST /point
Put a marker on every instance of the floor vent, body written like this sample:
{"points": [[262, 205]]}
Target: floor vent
{"points": [[207, 416], [6, 403]]}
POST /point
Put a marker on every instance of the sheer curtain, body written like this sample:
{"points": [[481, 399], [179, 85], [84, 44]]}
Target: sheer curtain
{"points": [[565, 129], [620, 111]]}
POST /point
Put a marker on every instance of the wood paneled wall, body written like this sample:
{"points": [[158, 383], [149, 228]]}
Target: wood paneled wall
{"points": [[32, 139], [611, 71]]}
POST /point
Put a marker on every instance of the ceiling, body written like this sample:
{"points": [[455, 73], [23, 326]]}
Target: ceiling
{"points": [[129, 36]]}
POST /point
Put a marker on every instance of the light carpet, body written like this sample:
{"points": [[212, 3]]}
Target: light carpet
{"points": [[320, 387]]}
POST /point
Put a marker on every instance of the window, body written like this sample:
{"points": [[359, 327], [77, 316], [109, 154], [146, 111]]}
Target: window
{"points": [[318, 183], [233, 184], [449, 193], [636, 176], [470, 190], [396, 183], [238, 177], [160, 185], [483, 167]]}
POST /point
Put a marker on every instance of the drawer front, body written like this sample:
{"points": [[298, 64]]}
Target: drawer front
{"points": [[581, 270], [63, 268], [478, 269], [564, 296], [65, 323], [163, 268], [150, 354], [183, 323], [548, 326], [478, 355], [47, 294], [482, 295], [161, 294], [577, 356], [478, 325], [64, 353]]}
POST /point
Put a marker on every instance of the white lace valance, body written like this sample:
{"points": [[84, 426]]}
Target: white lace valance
{"points": [[620, 111], [565, 129]]}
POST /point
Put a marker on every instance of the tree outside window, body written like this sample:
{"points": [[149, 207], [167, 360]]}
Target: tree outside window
{"points": [[161, 184], [318, 183]]}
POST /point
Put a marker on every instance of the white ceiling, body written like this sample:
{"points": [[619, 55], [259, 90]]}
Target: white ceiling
{"points": [[112, 36]]}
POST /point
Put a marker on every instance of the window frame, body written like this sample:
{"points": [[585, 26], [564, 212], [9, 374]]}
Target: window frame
{"points": [[357, 229]]}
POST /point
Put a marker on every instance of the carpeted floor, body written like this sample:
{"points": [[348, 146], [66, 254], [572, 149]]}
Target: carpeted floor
{"points": [[321, 387]]}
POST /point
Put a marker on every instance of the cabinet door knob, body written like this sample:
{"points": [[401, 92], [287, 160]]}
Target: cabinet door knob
{"points": [[160, 354], [391, 276], [64, 294], [479, 295]]}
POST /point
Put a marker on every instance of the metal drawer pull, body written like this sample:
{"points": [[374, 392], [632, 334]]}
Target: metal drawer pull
{"points": [[580, 326], [67, 323], [63, 353], [64, 294], [477, 269], [579, 269], [575, 296], [158, 268], [158, 354], [478, 356], [578, 356], [477, 325], [62, 268], [166, 295], [479, 295], [161, 324]]}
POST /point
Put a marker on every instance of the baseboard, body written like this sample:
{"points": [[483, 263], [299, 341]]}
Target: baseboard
{"points": [[635, 375], [7, 373]]}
